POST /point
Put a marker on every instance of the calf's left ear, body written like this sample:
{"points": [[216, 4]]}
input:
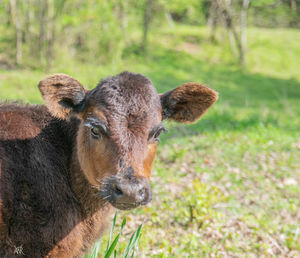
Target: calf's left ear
{"points": [[187, 103], [63, 95]]}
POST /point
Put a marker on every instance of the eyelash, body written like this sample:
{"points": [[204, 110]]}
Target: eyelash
{"points": [[95, 134], [155, 137], [97, 131]]}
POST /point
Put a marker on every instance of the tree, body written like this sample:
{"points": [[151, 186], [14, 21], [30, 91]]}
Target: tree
{"points": [[146, 22], [224, 12], [244, 10], [15, 17]]}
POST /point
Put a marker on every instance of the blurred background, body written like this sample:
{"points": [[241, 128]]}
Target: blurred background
{"points": [[227, 186]]}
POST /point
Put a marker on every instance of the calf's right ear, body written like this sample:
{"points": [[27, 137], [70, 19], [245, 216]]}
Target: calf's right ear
{"points": [[63, 95]]}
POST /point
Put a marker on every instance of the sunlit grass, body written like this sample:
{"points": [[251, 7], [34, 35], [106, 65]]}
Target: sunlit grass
{"points": [[106, 250]]}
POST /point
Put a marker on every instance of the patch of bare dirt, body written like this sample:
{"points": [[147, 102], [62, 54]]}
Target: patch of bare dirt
{"points": [[190, 48]]}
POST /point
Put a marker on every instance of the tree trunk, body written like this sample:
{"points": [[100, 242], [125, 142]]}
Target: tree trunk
{"points": [[50, 33], [26, 26], [213, 20], [233, 44], [15, 15], [169, 19], [146, 23], [294, 5], [244, 31], [43, 28], [53, 10], [229, 23], [122, 14]]}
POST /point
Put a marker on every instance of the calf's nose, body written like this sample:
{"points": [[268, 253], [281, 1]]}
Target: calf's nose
{"points": [[137, 193]]}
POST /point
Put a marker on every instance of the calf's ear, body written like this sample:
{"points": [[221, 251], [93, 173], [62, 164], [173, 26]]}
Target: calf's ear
{"points": [[63, 95], [187, 103]]}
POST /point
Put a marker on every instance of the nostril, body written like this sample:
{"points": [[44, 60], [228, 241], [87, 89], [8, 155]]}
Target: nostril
{"points": [[118, 192], [121, 162], [141, 193]]}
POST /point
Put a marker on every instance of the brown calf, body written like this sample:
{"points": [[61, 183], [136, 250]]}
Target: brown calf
{"points": [[65, 166]]}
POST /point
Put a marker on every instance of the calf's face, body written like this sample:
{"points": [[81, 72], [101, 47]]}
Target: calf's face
{"points": [[121, 120]]}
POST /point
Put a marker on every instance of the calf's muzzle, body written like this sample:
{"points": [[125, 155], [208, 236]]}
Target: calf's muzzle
{"points": [[126, 192]]}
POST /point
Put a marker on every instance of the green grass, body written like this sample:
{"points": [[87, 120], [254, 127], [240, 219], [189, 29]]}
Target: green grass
{"points": [[111, 245], [229, 184]]}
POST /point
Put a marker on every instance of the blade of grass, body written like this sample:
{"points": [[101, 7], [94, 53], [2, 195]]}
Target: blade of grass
{"points": [[123, 224], [112, 247], [114, 243], [128, 247], [132, 241], [111, 232], [137, 234], [136, 240], [96, 249]]}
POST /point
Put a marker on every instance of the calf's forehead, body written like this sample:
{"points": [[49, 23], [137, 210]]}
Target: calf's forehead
{"points": [[127, 98]]}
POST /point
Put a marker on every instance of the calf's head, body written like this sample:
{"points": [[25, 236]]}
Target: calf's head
{"points": [[121, 120]]}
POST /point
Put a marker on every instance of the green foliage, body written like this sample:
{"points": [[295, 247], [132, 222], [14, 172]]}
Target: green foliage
{"points": [[198, 203], [103, 32], [130, 249], [274, 13], [190, 11]]}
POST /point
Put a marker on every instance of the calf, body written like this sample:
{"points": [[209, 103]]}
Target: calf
{"points": [[64, 166]]}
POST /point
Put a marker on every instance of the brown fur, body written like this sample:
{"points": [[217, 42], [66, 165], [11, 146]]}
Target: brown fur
{"points": [[93, 164], [46, 218], [57, 88], [188, 102], [148, 161], [14, 116], [54, 172]]}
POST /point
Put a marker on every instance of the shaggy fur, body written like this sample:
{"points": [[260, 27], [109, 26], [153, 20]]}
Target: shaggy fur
{"points": [[52, 169], [41, 215], [188, 102]]}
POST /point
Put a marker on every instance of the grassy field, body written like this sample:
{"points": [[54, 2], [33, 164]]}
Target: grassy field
{"points": [[229, 184]]}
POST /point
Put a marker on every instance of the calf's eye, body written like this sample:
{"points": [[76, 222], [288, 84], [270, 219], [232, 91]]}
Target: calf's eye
{"points": [[157, 134], [95, 132]]}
